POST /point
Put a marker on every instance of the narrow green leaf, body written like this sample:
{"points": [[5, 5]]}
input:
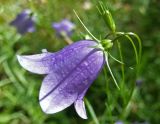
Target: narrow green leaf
{"points": [[91, 112]]}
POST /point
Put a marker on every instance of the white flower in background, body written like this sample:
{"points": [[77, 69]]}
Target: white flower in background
{"points": [[87, 5]]}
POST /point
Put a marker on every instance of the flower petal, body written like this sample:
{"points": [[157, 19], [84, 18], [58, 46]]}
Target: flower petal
{"points": [[59, 96], [60, 62], [20, 18], [59, 91], [24, 22], [79, 104], [26, 25], [39, 63], [70, 73], [80, 108], [70, 56], [95, 64], [64, 26], [67, 25]]}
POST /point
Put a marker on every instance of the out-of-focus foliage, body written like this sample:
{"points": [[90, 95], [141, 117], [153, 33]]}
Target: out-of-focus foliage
{"points": [[19, 89]]}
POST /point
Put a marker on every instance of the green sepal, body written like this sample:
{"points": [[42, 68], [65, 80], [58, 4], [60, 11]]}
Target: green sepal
{"points": [[106, 44]]}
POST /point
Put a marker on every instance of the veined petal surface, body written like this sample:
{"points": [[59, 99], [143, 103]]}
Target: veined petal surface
{"points": [[59, 62], [70, 72], [60, 91]]}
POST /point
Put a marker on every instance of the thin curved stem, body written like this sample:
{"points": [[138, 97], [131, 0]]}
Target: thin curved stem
{"points": [[138, 39], [115, 59], [86, 27], [134, 47], [122, 66], [66, 38], [130, 39], [106, 58]]}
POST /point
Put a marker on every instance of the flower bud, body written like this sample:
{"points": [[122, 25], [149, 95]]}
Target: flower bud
{"points": [[109, 20], [107, 17], [106, 44]]}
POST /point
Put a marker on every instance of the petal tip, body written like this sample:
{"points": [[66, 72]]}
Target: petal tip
{"points": [[45, 108], [84, 117], [19, 59], [80, 109], [33, 63]]}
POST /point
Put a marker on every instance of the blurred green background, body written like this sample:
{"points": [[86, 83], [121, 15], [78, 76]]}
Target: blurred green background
{"points": [[19, 89]]}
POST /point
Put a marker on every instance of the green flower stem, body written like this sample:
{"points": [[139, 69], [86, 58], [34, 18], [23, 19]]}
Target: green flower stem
{"points": [[90, 108], [128, 34], [105, 77], [106, 58], [107, 94], [66, 38], [122, 65], [115, 59], [138, 39], [138, 58], [121, 56], [94, 38]]}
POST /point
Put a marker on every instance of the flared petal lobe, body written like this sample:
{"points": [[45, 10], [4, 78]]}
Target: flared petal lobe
{"points": [[39, 63], [59, 62], [80, 108], [89, 71]]}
